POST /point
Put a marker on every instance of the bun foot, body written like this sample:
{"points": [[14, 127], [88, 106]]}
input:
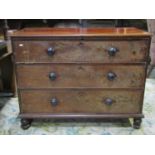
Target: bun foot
{"points": [[25, 123], [137, 123]]}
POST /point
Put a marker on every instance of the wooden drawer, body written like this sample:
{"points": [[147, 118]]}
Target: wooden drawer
{"points": [[81, 101], [80, 75], [81, 51]]}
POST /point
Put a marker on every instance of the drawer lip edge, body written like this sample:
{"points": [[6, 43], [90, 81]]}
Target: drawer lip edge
{"points": [[80, 89], [80, 37], [79, 115], [81, 63]]}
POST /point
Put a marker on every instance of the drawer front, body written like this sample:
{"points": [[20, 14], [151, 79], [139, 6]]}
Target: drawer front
{"points": [[81, 51], [81, 101], [80, 75]]}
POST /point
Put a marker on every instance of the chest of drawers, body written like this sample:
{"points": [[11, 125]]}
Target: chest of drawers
{"points": [[80, 73]]}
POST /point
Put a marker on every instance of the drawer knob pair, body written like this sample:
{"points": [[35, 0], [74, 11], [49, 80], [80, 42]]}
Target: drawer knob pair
{"points": [[111, 76], [50, 51], [52, 76], [54, 101], [112, 51]]}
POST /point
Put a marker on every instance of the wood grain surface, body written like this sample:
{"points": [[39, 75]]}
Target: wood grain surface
{"points": [[78, 101], [110, 32], [80, 75], [81, 51]]}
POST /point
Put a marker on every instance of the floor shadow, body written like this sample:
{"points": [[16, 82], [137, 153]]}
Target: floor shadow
{"points": [[83, 122]]}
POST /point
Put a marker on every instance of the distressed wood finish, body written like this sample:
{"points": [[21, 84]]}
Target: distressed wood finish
{"points": [[81, 101], [81, 78], [81, 51], [80, 75]]}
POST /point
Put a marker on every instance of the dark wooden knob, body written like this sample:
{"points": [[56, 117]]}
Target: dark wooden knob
{"points": [[52, 75], [54, 101], [112, 51], [111, 76], [108, 101], [50, 51]]}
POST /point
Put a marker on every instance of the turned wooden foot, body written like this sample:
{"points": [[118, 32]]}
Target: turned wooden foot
{"points": [[137, 123], [25, 123]]}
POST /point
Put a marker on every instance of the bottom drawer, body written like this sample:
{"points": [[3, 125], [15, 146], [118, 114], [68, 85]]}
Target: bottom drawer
{"points": [[81, 101]]}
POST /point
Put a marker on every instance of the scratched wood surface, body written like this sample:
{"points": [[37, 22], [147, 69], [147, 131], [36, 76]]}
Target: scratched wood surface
{"points": [[81, 51], [85, 101], [78, 75]]}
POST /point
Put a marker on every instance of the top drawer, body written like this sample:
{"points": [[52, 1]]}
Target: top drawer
{"points": [[118, 51]]}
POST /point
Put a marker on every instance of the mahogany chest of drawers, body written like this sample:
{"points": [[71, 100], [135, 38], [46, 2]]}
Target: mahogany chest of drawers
{"points": [[80, 73]]}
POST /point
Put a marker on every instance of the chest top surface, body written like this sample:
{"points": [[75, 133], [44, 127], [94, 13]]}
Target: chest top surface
{"points": [[83, 32]]}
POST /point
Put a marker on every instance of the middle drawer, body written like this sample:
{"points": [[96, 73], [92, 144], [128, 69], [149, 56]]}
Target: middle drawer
{"points": [[80, 75]]}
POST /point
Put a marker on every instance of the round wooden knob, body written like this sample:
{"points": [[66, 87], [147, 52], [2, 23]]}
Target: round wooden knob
{"points": [[111, 76], [108, 101], [112, 51], [50, 51], [52, 75], [54, 101]]}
